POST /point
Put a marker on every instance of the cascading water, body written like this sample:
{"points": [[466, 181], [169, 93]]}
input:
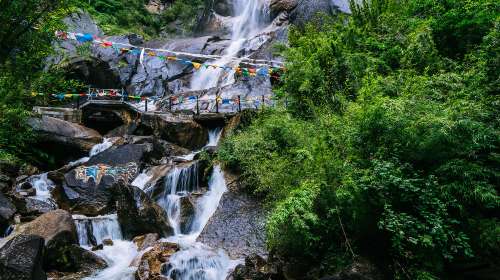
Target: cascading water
{"points": [[214, 136], [179, 182], [96, 149], [250, 17], [93, 230]]}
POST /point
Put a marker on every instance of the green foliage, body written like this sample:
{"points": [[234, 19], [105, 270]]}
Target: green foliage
{"points": [[131, 16], [24, 46], [392, 135]]}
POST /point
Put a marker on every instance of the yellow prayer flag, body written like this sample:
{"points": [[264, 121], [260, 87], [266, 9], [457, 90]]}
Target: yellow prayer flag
{"points": [[196, 65]]}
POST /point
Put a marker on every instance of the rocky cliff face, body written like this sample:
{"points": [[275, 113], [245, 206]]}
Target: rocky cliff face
{"points": [[109, 68]]}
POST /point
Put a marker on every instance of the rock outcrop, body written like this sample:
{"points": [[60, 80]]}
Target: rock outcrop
{"points": [[152, 262], [7, 211], [138, 214], [65, 134], [178, 129], [305, 11], [59, 233], [238, 225], [21, 258], [87, 189]]}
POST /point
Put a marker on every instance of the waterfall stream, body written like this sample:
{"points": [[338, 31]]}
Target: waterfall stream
{"points": [[194, 260], [250, 16]]}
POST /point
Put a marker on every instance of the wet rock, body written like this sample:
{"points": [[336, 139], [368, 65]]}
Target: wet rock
{"points": [[151, 176], [138, 214], [124, 154], [87, 190], [238, 225], [255, 268], [178, 129], [58, 230], [28, 192], [305, 11], [97, 247], [35, 206], [107, 242], [151, 262], [7, 211], [188, 206], [65, 134], [145, 241], [85, 262], [278, 6], [21, 258]]}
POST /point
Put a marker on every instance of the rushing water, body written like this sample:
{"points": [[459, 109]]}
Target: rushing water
{"points": [[195, 261], [250, 17], [92, 231], [96, 149], [179, 182]]}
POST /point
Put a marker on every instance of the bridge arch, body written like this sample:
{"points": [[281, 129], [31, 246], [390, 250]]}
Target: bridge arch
{"points": [[107, 116]]}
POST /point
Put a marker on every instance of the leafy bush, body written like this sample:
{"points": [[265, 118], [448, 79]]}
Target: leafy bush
{"points": [[392, 137]]}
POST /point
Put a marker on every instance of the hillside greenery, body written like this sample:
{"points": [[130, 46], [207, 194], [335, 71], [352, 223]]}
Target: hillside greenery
{"points": [[390, 145], [24, 47], [131, 16]]}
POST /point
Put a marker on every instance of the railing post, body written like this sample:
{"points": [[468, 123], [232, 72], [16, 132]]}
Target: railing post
{"points": [[263, 101], [197, 105], [146, 105], [89, 96], [78, 103], [170, 103], [216, 104], [239, 103]]}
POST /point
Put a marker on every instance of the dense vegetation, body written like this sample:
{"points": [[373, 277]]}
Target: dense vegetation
{"points": [[126, 16], [25, 46], [390, 146], [23, 49]]}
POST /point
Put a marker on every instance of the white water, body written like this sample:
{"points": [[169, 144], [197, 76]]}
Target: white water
{"points": [[249, 19], [119, 256], [101, 227], [96, 149], [214, 136], [179, 182], [200, 262], [43, 186]]}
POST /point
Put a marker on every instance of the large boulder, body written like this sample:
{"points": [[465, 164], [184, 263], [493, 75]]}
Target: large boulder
{"points": [[151, 262], [176, 128], [145, 241], [238, 224], [121, 155], [58, 230], [88, 190], [7, 211], [278, 6], [255, 268], [21, 258], [65, 134], [85, 262], [138, 214]]}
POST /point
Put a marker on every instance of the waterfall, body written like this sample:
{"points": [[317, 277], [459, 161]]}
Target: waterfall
{"points": [[179, 182], [209, 202], [195, 260], [96, 149], [199, 263], [214, 136], [250, 15], [93, 230]]}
